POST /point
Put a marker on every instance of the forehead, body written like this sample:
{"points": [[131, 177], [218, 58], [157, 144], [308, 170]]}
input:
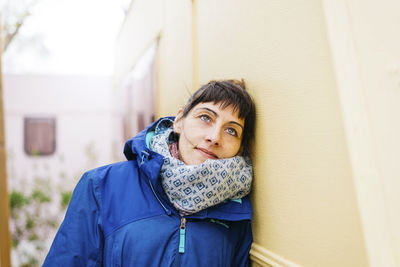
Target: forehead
{"points": [[228, 113]]}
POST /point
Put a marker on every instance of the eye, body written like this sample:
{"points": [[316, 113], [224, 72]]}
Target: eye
{"points": [[231, 131], [205, 118]]}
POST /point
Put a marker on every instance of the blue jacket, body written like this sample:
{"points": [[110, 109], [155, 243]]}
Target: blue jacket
{"points": [[119, 215]]}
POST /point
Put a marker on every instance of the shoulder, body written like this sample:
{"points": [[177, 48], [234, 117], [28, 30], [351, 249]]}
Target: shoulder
{"points": [[99, 182], [115, 172], [124, 194], [106, 170]]}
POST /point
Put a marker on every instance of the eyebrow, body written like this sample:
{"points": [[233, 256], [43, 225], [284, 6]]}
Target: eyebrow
{"points": [[216, 115]]}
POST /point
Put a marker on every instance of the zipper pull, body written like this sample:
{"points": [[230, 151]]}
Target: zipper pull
{"points": [[182, 232]]}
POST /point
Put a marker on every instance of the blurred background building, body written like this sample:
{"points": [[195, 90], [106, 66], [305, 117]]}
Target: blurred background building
{"points": [[325, 76], [57, 127], [59, 116]]}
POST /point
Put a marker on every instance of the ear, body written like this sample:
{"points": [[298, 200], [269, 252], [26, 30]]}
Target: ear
{"points": [[178, 123]]}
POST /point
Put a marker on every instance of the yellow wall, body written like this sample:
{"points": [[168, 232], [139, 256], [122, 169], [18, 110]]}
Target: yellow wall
{"points": [[140, 29], [169, 24], [175, 64], [304, 198], [364, 41]]}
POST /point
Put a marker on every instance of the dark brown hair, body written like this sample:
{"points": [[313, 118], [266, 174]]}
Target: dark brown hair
{"points": [[228, 93]]}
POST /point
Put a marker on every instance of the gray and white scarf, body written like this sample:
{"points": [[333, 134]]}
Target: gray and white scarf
{"points": [[192, 188]]}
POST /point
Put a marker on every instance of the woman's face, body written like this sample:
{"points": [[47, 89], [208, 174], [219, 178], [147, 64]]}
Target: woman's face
{"points": [[208, 132]]}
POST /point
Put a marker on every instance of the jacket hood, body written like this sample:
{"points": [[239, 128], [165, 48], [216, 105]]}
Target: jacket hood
{"points": [[136, 146]]}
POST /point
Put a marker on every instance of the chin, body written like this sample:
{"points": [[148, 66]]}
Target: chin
{"points": [[194, 161]]}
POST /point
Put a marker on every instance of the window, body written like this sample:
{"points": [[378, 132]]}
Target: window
{"points": [[40, 136]]}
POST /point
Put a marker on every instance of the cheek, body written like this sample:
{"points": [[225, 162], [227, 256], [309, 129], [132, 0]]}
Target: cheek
{"points": [[232, 148], [189, 138], [237, 149], [193, 137], [192, 130]]}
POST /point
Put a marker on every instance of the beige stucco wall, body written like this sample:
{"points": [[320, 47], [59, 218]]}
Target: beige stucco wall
{"points": [[168, 24], [364, 41], [175, 64], [139, 31], [377, 44], [304, 198]]}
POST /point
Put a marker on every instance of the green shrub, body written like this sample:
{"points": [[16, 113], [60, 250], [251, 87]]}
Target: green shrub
{"points": [[40, 196], [65, 199], [17, 200]]}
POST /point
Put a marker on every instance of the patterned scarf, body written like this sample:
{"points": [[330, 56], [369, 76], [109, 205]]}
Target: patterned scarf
{"points": [[192, 188]]}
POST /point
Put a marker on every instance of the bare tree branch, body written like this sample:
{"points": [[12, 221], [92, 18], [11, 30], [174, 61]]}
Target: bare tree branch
{"points": [[11, 32], [10, 36]]}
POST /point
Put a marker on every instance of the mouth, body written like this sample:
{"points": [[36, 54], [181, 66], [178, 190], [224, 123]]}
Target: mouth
{"points": [[207, 153]]}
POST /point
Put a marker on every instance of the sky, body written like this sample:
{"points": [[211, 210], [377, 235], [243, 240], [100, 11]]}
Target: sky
{"points": [[67, 37]]}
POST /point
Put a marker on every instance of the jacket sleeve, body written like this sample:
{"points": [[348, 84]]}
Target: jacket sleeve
{"points": [[79, 240], [241, 258]]}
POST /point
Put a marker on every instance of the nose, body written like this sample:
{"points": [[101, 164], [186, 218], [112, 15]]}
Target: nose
{"points": [[214, 136]]}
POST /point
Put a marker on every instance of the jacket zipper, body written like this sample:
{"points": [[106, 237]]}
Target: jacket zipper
{"points": [[158, 199], [182, 233], [145, 154]]}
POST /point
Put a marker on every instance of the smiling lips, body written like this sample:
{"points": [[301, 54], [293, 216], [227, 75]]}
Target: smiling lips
{"points": [[207, 153]]}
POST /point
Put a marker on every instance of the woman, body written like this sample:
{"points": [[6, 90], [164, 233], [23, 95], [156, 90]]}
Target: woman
{"points": [[180, 199]]}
